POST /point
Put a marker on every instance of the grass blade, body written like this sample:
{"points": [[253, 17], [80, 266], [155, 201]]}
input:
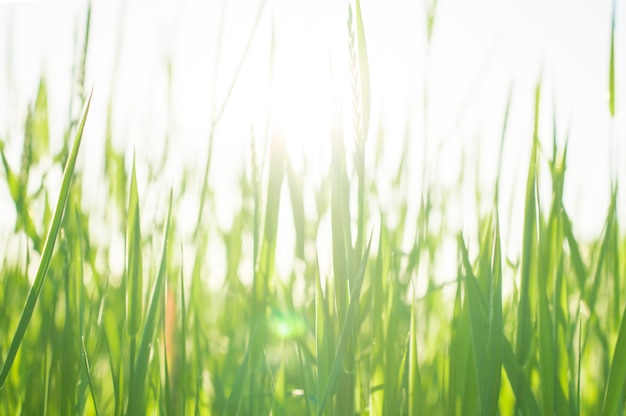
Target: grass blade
{"points": [[48, 248], [495, 327], [346, 331], [612, 65], [364, 71], [524, 334], [134, 272], [88, 371], [613, 392], [521, 387], [137, 390]]}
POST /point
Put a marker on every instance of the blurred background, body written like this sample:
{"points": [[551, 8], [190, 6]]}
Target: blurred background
{"points": [[175, 73]]}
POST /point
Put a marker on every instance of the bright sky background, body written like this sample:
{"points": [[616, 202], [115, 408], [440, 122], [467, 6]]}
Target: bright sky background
{"points": [[479, 49]]}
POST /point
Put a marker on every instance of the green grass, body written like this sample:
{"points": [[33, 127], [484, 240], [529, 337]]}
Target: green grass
{"points": [[358, 338]]}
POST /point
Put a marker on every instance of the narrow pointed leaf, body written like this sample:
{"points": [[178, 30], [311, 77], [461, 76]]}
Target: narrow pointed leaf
{"points": [[48, 248]]}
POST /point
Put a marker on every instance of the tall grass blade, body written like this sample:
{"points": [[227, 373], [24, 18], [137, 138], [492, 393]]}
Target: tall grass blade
{"points": [[613, 395], [88, 371], [495, 327], [297, 207], [524, 334], [576, 258], [137, 390], [278, 401], [39, 129], [235, 398], [264, 275], [525, 400], [48, 248], [322, 342], [183, 338], [612, 64], [364, 71], [134, 270], [486, 325], [415, 395], [359, 66], [346, 331]]}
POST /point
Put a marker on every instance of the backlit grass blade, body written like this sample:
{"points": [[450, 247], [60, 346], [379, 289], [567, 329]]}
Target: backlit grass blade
{"points": [[303, 375], [495, 327], [114, 336], [378, 309], [183, 338], [39, 124], [137, 390], [556, 283], [486, 325], [462, 371], [430, 21], [48, 248], [114, 167], [278, 401], [612, 65], [264, 275], [12, 179], [340, 221], [576, 258], [342, 260], [603, 255], [398, 406], [613, 264], [346, 332], [268, 248], [322, 341], [17, 189], [168, 318], [502, 140], [88, 371], [477, 312], [546, 350], [454, 352], [234, 401], [524, 333], [69, 250], [134, 271], [359, 67], [343, 266], [613, 395], [525, 400], [297, 207], [415, 395], [364, 71]]}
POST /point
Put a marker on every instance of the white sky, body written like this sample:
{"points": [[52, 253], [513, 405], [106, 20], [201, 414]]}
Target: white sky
{"points": [[479, 48]]}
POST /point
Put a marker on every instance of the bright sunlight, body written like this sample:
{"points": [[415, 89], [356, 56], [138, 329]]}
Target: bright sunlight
{"points": [[328, 207]]}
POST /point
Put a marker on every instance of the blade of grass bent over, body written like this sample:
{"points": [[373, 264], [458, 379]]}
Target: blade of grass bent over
{"points": [[48, 248]]}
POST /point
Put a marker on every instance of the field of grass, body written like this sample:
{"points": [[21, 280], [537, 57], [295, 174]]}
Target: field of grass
{"points": [[77, 336]]}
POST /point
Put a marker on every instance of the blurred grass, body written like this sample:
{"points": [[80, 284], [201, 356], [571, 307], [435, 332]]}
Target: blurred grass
{"points": [[377, 333]]}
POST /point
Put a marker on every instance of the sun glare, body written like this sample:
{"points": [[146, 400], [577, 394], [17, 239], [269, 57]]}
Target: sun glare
{"points": [[305, 93], [193, 237]]}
